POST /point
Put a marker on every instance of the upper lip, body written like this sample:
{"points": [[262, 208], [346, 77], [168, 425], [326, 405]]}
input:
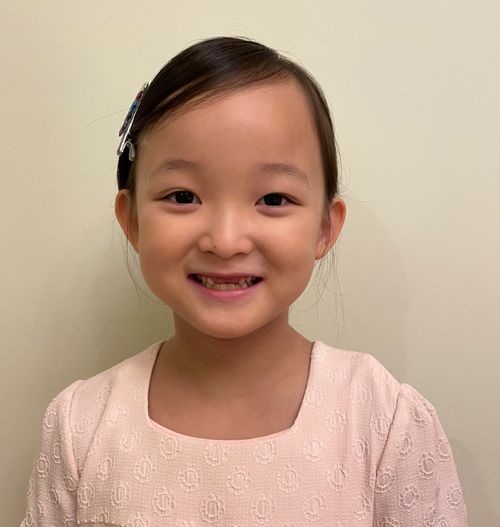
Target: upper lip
{"points": [[228, 276]]}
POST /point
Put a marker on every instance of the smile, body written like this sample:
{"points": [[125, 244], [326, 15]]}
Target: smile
{"points": [[226, 283]]}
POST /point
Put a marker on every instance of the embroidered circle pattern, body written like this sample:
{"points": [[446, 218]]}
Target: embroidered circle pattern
{"points": [[86, 494], [50, 420], [57, 452], [43, 466], [238, 482], [313, 397], [361, 507], [129, 441], [418, 416], [189, 478], [384, 480], [120, 494], [360, 395], [313, 507], [106, 467], [54, 495], [115, 415], [263, 509], [314, 449], [215, 454], [404, 444], [361, 450], [70, 483], [169, 447], [336, 420], [427, 466], [288, 479], [213, 508], [408, 497], [454, 497], [444, 450], [164, 502], [144, 468], [264, 452], [379, 424], [337, 477]]}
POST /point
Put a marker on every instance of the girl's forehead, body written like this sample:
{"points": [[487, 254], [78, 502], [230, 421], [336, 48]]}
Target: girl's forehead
{"points": [[277, 116]]}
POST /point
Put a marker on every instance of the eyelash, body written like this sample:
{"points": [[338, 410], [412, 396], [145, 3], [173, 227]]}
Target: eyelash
{"points": [[168, 196]]}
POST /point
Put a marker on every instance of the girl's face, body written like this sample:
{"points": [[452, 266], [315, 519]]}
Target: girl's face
{"points": [[232, 186]]}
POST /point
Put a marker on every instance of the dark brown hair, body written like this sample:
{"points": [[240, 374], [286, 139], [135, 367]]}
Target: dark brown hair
{"points": [[216, 66]]}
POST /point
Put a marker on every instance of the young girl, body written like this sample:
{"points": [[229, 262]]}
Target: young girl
{"points": [[228, 193]]}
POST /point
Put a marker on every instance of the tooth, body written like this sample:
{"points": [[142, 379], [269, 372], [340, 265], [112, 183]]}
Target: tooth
{"points": [[210, 283]]}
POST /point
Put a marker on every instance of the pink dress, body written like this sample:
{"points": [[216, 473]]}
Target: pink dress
{"points": [[364, 451]]}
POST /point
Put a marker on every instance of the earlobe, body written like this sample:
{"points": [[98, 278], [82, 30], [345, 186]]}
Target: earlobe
{"points": [[331, 227], [126, 216]]}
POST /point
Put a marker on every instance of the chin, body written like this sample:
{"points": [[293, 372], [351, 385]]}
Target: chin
{"points": [[225, 333]]}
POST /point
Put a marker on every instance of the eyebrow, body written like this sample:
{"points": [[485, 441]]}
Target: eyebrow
{"points": [[171, 164]]}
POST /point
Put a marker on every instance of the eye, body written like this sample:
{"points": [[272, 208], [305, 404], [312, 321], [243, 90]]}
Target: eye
{"points": [[275, 200], [181, 197]]}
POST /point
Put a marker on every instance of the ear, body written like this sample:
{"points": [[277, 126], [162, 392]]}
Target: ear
{"points": [[126, 214], [331, 227]]}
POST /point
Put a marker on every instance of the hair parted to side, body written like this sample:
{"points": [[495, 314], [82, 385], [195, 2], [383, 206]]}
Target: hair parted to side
{"points": [[216, 66]]}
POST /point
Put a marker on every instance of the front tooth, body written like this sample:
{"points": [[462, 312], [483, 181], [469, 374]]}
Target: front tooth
{"points": [[212, 284]]}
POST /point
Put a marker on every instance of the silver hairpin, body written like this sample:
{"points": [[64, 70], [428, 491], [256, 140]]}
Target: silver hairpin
{"points": [[127, 125]]}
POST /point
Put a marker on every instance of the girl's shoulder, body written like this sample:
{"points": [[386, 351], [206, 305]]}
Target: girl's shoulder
{"points": [[77, 410], [365, 382], [95, 391], [355, 368]]}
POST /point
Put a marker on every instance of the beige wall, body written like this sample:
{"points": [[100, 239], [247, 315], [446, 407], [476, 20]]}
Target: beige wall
{"points": [[414, 91]]}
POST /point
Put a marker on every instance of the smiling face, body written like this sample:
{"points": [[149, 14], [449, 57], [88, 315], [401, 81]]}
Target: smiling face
{"points": [[232, 186]]}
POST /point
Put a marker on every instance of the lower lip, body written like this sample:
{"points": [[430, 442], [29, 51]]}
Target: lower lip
{"points": [[226, 294]]}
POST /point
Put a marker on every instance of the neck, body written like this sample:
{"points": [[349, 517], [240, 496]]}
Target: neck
{"points": [[238, 367]]}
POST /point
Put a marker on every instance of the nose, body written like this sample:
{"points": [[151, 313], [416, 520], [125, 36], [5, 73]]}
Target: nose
{"points": [[227, 232]]}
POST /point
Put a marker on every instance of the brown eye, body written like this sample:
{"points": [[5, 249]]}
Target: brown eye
{"points": [[274, 200], [181, 197]]}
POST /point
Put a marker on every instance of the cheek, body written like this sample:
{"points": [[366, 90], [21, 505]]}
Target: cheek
{"points": [[160, 240], [293, 244]]}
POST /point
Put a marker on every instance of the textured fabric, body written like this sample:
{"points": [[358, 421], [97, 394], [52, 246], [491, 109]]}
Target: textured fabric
{"points": [[364, 451]]}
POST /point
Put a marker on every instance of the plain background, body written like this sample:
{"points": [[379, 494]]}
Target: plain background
{"points": [[414, 91]]}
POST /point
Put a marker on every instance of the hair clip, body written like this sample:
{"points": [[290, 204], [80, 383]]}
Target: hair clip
{"points": [[127, 125]]}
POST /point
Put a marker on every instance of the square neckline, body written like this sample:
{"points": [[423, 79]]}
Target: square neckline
{"points": [[152, 357]]}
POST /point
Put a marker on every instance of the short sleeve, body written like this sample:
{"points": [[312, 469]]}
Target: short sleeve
{"points": [[51, 497], [416, 481]]}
